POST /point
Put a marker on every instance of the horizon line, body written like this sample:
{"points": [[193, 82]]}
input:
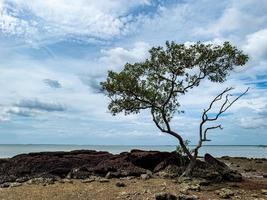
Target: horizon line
{"points": [[134, 144]]}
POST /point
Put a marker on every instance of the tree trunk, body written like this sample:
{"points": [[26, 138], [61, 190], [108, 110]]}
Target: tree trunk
{"points": [[190, 167], [191, 157]]}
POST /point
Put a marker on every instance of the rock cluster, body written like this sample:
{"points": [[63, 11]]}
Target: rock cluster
{"points": [[82, 164]]}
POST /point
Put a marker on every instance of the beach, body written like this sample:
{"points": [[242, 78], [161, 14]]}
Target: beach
{"points": [[252, 186]]}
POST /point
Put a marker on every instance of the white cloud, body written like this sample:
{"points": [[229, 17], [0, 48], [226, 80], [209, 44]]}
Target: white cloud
{"points": [[40, 20], [256, 44], [238, 16], [256, 118], [116, 57]]}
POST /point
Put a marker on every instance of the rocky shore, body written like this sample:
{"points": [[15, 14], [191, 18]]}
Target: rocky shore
{"points": [[84, 174]]}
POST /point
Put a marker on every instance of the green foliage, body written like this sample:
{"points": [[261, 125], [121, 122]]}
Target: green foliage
{"points": [[180, 150], [168, 73]]}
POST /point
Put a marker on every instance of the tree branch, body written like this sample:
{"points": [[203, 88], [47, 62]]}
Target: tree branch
{"points": [[209, 128], [205, 117]]}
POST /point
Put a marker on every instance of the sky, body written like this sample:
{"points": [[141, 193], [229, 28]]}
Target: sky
{"points": [[53, 54]]}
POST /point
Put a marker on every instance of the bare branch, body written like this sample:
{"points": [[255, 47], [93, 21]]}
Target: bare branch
{"points": [[217, 98], [210, 128], [205, 117], [230, 103]]}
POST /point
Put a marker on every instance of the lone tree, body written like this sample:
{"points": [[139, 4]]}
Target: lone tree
{"points": [[157, 83]]}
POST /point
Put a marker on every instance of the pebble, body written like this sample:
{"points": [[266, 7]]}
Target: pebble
{"points": [[120, 184]]}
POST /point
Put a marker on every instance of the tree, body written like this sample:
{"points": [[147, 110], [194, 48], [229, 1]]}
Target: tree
{"points": [[157, 83]]}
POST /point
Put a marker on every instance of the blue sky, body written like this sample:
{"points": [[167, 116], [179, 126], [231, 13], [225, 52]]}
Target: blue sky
{"points": [[53, 54]]}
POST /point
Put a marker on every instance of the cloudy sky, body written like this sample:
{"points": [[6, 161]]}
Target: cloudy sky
{"points": [[53, 54]]}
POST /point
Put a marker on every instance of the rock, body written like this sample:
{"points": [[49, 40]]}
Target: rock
{"points": [[204, 182], [255, 195], [22, 179], [225, 193], [248, 170], [194, 187], [109, 175], [165, 196], [65, 180], [222, 171], [127, 178], [5, 185], [264, 192], [41, 180], [187, 197], [103, 180], [214, 162], [88, 180], [171, 171], [231, 175], [15, 184], [53, 163], [120, 184], [79, 173], [264, 175], [83, 164], [258, 161], [163, 174], [145, 176]]}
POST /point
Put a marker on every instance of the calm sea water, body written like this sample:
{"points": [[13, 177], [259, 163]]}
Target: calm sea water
{"points": [[7, 150]]}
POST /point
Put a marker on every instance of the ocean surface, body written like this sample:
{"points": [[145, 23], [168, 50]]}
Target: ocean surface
{"points": [[10, 150]]}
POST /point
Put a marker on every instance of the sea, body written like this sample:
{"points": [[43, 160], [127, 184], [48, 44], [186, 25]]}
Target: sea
{"points": [[250, 151]]}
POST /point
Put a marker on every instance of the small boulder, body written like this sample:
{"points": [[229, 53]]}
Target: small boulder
{"points": [[5, 185], [145, 176], [224, 172], [79, 173], [165, 196]]}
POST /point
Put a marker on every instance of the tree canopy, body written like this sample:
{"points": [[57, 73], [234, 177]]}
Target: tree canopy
{"points": [[169, 72]]}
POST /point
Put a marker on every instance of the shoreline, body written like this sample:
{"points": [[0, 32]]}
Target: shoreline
{"points": [[252, 186], [252, 151]]}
